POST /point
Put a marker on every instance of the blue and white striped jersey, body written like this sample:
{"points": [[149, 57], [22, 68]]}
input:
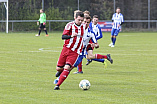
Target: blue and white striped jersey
{"points": [[88, 35], [97, 30], [117, 19]]}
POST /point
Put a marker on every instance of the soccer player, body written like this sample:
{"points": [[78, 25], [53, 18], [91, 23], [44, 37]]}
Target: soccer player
{"points": [[73, 44], [95, 27], [42, 21], [117, 21]]}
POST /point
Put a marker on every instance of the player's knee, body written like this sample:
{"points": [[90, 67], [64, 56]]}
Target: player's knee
{"points": [[39, 28], [90, 57], [58, 68], [67, 67], [44, 28]]}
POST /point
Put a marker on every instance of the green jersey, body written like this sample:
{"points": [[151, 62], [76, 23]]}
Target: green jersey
{"points": [[42, 18]]}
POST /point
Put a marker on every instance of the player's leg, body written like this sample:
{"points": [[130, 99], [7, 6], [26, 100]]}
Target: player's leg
{"points": [[40, 27], [99, 56], [61, 61], [79, 59], [63, 76], [112, 34], [90, 52], [99, 60], [45, 31], [70, 61], [79, 69], [114, 37], [78, 64]]}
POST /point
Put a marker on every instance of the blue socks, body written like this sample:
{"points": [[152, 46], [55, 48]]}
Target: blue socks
{"points": [[114, 40], [99, 60]]}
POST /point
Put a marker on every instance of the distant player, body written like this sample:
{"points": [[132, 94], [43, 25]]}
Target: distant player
{"points": [[42, 21], [73, 44], [117, 21]]}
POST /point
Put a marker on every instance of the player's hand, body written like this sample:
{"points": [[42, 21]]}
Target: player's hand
{"points": [[112, 23], [92, 44], [118, 26], [74, 34], [38, 23], [44, 23], [96, 45]]}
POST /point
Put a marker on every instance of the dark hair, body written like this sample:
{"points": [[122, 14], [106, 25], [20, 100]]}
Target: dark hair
{"points": [[88, 17], [79, 14], [118, 7], [95, 16]]}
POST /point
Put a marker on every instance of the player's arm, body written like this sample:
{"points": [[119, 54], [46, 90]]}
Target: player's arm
{"points": [[69, 36], [94, 40], [113, 19], [66, 32], [44, 18], [122, 20], [38, 21], [99, 36]]}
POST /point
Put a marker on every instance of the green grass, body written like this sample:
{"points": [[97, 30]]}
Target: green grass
{"points": [[27, 71]]}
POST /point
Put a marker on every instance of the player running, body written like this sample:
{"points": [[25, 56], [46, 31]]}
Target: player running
{"points": [[42, 21], [95, 27], [117, 21], [73, 44]]}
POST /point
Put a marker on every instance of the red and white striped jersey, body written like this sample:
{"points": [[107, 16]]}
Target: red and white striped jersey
{"points": [[75, 43]]}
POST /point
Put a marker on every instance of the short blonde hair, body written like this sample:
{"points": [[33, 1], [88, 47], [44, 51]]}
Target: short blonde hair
{"points": [[86, 13]]}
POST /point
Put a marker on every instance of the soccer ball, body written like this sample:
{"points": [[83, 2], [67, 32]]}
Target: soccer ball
{"points": [[84, 84]]}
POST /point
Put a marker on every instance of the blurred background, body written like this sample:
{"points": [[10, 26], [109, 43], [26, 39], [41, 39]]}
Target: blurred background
{"points": [[139, 15]]}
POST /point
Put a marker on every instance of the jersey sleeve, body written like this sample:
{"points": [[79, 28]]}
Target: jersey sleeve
{"points": [[90, 26], [94, 40], [122, 18], [44, 18], [113, 17], [99, 34], [67, 29]]}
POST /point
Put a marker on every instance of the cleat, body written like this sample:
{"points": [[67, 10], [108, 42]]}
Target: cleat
{"points": [[110, 44], [37, 35], [46, 35], [58, 74], [56, 88], [88, 62], [78, 72], [109, 58]]}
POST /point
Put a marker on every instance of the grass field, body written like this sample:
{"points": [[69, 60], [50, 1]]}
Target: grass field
{"points": [[27, 71]]}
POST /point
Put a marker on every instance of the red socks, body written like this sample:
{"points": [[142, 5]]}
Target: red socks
{"points": [[98, 56], [63, 76], [79, 67]]}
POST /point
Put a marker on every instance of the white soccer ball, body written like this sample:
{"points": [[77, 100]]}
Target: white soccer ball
{"points": [[84, 84]]}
